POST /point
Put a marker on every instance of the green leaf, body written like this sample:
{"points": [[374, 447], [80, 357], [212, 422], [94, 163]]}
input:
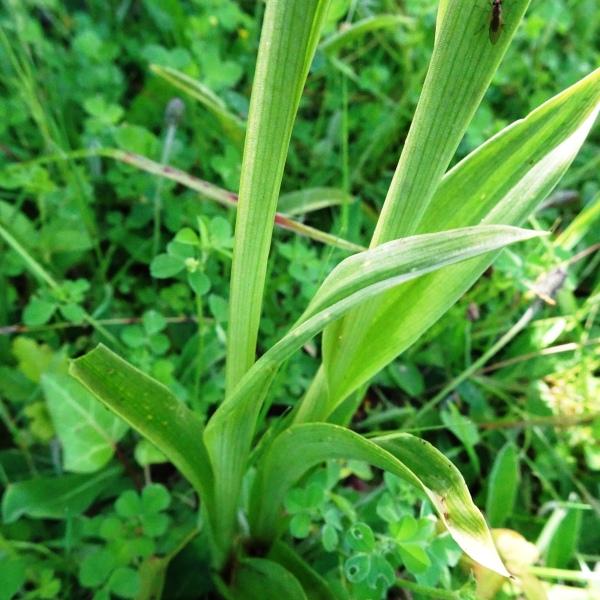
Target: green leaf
{"points": [[124, 582], [360, 538], [155, 498], [414, 557], [503, 485], [38, 312], [289, 38], [349, 34], [199, 282], [461, 67], [96, 567], [262, 579], [129, 505], [501, 182], [309, 200], [152, 410], [55, 497], [357, 567], [357, 279], [165, 265], [153, 322], [564, 542], [87, 431], [404, 455], [300, 525], [314, 585], [12, 575]]}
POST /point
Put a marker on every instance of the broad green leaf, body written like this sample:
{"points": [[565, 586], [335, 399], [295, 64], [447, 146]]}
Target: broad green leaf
{"points": [[55, 497], [354, 281], [87, 431], [262, 579], [349, 34], [232, 125], [309, 200], [151, 409], [301, 447], [501, 182], [289, 37], [503, 486]]}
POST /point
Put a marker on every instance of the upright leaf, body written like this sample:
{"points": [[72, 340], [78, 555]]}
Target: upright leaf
{"points": [[461, 68], [289, 37]]}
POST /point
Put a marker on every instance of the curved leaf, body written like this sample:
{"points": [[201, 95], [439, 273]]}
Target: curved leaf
{"points": [[416, 461], [151, 409], [311, 199], [55, 497], [346, 35], [233, 126]]}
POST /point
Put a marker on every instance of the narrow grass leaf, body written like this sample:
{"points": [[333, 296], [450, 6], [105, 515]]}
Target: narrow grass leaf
{"points": [[503, 485], [335, 42], [312, 199], [302, 447]]}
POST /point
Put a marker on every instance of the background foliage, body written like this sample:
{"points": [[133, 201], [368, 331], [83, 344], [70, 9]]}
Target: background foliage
{"points": [[90, 508]]}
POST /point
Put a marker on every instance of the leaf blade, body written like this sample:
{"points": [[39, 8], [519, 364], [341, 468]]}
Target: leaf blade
{"points": [[408, 457]]}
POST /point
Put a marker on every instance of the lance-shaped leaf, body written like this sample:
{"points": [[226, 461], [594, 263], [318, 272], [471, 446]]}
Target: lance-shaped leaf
{"points": [[151, 409], [302, 447], [289, 37], [501, 182], [461, 69], [354, 281]]}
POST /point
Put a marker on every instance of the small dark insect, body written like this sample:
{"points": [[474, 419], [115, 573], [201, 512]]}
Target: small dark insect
{"points": [[496, 21]]}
